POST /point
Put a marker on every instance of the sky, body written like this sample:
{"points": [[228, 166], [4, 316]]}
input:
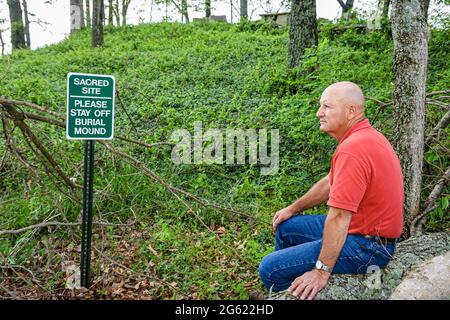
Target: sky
{"points": [[54, 18], [54, 21]]}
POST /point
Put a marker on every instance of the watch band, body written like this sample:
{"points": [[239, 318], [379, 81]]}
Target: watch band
{"points": [[322, 266]]}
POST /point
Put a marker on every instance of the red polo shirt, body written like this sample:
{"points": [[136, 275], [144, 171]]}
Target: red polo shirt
{"points": [[366, 179]]}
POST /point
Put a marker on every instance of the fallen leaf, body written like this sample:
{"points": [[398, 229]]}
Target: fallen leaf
{"points": [[155, 253]]}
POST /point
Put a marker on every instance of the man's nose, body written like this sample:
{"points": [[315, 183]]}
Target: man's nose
{"points": [[319, 112]]}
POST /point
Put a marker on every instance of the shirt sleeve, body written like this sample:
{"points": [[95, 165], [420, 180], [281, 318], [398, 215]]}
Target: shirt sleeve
{"points": [[350, 180]]}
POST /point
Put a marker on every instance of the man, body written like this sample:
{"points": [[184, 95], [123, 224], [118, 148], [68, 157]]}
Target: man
{"points": [[364, 189]]}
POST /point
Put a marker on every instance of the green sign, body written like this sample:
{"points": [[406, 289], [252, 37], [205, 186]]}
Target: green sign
{"points": [[90, 106]]}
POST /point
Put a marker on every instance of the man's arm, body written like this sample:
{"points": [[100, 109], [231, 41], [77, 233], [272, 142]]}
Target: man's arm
{"points": [[334, 236], [316, 195]]}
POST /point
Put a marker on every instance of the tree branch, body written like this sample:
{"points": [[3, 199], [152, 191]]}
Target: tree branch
{"points": [[418, 221], [66, 224], [441, 125]]}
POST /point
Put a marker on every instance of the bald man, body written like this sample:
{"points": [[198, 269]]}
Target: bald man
{"points": [[364, 194]]}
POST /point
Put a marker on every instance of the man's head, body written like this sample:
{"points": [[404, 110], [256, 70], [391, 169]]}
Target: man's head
{"points": [[341, 106]]}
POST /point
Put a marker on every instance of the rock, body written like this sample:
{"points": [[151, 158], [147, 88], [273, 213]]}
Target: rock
{"points": [[428, 281], [381, 284]]}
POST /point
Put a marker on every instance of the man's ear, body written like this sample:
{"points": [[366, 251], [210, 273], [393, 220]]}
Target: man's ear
{"points": [[351, 112]]}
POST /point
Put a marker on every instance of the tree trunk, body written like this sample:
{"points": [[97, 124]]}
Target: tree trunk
{"points": [[231, 11], [125, 4], [116, 12], [424, 4], [346, 8], [76, 15], [385, 6], [88, 13], [98, 12], [303, 30], [184, 10], [410, 35], [27, 24], [207, 8], [17, 27], [244, 9], [2, 43], [110, 12]]}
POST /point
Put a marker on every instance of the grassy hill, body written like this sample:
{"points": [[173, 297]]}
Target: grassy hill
{"points": [[168, 76]]}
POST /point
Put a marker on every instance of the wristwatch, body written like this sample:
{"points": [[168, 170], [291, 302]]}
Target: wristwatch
{"points": [[321, 266]]}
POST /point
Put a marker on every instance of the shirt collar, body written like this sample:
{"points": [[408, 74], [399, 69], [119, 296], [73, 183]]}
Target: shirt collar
{"points": [[363, 124]]}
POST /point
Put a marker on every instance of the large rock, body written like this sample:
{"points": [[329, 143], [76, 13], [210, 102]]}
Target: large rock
{"points": [[428, 281], [382, 283]]}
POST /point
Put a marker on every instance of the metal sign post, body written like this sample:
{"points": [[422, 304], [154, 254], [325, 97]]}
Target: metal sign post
{"points": [[90, 117]]}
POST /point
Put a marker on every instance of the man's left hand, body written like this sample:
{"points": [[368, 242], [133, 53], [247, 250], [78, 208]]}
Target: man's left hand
{"points": [[307, 285]]}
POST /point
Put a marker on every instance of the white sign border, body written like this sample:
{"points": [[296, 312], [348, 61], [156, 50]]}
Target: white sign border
{"points": [[113, 104]]}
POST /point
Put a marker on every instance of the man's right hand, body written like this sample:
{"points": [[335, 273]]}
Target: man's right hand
{"points": [[281, 216]]}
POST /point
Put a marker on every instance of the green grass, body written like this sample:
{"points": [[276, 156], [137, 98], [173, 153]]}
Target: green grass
{"points": [[168, 76]]}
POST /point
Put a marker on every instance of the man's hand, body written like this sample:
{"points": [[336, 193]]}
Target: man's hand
{"points": [[308, 284], [281, 216]]}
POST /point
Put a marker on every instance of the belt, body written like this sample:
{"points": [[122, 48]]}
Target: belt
{"points": [[382, 240]]}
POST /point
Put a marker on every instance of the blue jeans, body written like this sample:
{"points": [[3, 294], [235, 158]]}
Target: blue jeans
{"points": [[297, 246]]}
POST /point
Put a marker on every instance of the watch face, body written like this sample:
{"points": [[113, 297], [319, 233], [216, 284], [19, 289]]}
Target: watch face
{"points": [[319, 264]]}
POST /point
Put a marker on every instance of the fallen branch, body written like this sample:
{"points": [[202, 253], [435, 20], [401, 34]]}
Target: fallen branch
{"points": [[139, 165], [62, 124], [441, 125], [12, 146], [438, 103], [28, 134], [12, 294], [437, 92], [418, 221], [34, 106], [125, 110], [66, 224], [379, 102]]}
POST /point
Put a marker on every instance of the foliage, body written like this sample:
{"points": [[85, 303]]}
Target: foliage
{"points": [[168, 76]]}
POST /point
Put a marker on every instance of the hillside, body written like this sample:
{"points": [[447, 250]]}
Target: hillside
{"points": [[169, 76]]}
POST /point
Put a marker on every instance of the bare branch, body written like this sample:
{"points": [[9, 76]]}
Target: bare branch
{"points": [[125, 110], [139, 165], [437, 92], [26, 131], [419, 221], [34, 106], [438, 103], [441, 125], [64, 224]]}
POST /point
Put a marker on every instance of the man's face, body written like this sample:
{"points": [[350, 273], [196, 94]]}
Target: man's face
{"points": [[332, 113]]}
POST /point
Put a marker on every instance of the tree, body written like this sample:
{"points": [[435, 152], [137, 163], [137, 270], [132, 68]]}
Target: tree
{"points": [[76, 15], [410, 35], [125, 5], [385, 5], [27, 24], [98, 13], [181, 6], [244, 9], [2, 42], [88, 13], [303, 30], [346, 8], [184, 10], [17, 27], [110, 12], [119, 11], [207, 8]]}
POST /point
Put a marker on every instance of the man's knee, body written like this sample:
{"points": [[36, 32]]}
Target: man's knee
{"points": [[265, 271], [268, 274]]}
